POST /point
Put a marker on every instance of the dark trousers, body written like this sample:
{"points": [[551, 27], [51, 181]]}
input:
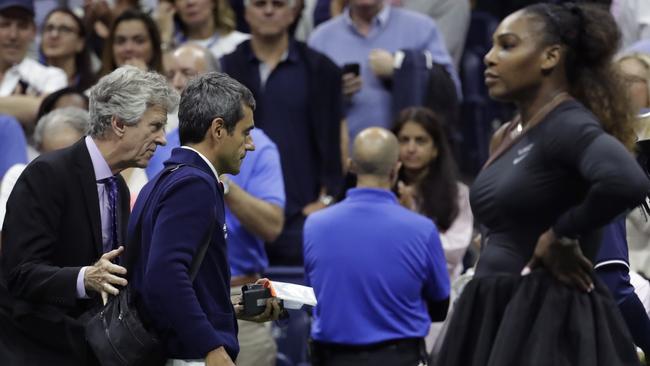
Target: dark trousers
{"points": [[403, 352]]}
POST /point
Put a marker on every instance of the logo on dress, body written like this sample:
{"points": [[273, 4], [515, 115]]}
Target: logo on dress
{"points": [[225, 231], [522, 153]]}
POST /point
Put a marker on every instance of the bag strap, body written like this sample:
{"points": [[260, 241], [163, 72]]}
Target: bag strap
{"points": [[134, 247], [200, 254]]}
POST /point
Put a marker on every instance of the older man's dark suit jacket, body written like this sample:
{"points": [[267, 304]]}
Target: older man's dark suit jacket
{"points": [[52, 229]]}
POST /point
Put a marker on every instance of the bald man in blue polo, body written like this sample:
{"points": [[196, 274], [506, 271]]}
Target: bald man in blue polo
{"points": [[377, 268]]}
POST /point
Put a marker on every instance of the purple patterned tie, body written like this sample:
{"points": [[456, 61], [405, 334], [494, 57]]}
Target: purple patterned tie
{"points": [[110, 185]]}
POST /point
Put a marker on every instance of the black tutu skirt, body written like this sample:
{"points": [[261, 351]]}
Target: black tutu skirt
{"points": [[534, 320]]}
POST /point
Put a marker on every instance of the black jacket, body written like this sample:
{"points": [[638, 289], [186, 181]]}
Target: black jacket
{"points": [[53, 228], [325, 108]]}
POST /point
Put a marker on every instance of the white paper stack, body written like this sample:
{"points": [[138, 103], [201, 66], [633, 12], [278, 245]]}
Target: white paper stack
{"points": [[294, 296]]}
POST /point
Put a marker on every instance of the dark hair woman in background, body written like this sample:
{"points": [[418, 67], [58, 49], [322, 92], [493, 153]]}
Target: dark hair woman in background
{"points": [[64, 45], [133, 40], [428, 182], [557, 174]]}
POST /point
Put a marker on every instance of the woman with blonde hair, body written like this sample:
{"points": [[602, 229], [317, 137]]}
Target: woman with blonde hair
{"points": [[209, 23], [133, 40], [636, 73], [635, 69]]}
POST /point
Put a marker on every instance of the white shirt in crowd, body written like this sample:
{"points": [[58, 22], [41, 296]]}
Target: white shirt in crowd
{"points": [[40, 78], [633, 19], [222, 45]]}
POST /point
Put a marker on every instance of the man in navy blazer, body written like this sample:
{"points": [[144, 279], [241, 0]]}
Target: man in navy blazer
{"points": [[196, 319]]}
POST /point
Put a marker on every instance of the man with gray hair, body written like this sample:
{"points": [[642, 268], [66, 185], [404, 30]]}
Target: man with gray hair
{"points": [[180, 216], [66, 220], [61, 128], [381, 258]]}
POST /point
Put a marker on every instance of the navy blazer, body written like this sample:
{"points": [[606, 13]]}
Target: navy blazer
{"points": [[181, 210]]}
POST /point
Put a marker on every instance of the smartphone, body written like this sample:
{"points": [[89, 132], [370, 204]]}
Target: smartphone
{"points": [[351, 68]]}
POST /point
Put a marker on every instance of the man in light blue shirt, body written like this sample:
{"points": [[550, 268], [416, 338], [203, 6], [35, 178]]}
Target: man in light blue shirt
{"points": [[369, 33], [377, 268], [254, 214]]}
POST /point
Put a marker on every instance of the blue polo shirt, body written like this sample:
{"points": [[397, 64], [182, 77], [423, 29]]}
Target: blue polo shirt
{"points": [[373, 265], [260, 176]]}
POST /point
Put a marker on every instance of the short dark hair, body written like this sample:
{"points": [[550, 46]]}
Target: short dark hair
{"points": [[207, 97]]}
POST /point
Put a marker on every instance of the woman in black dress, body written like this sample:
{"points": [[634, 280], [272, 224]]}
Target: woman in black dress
{"points": [[556, 175]]}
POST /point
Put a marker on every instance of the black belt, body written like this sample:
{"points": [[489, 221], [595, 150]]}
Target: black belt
{"points": [[404, 343]]}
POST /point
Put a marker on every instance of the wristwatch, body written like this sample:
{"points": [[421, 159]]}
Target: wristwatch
{"points": [[326, 199]]}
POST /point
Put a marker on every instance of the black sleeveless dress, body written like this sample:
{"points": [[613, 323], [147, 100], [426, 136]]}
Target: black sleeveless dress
{"points": [[568, 174]]}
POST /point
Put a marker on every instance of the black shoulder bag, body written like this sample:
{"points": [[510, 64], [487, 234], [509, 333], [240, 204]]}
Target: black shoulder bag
{"points": [[117, 333]]}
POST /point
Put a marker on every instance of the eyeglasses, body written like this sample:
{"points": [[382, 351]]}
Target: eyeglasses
{"points": [[277, 4], [60, 29]]}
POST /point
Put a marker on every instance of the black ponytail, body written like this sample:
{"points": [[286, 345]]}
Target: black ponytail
{"points": [[591, 38]]}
